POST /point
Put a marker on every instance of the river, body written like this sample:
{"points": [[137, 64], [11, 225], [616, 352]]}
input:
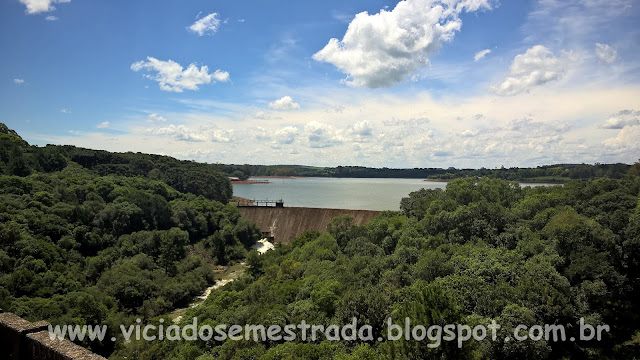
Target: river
{"points": [[339, 193]]}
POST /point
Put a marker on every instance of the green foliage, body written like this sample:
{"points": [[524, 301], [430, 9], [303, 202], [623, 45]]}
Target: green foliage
{"points": [[80, 248], [481, 250]]}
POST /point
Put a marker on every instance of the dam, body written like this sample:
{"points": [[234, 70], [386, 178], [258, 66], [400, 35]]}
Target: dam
{"points": [[283, 224]]}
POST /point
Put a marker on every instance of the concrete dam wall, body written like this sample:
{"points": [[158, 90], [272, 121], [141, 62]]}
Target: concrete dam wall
{"points": [[285, 223]]}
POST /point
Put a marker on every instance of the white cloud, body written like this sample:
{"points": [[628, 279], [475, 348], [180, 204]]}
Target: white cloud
{"points": [[18, 81], [40, 6], [220, 135], [153, 118], [469, 133], [67, 111], [171, 76], [322, 135], [386, 48], [606, 53], [537, 66], [286, 135], [284, 103], [103, 125], [180, 133], [481, 54], [51, 18], [208, 25], [185, 133], [261, 134], [222, 76], [361, 130], [622, 119], [627, 140], [618, 123]]}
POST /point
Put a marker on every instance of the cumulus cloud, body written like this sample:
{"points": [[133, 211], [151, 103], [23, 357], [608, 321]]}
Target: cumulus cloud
{"points": [[103, 125], [286, 135], [537, 66], [362, 128], [180, 133], [18, 81], [606, 53], [207, 25], [153, 118], [618, 123], [627, 140], [386, 48], [261, 134], [222, 76], [321, 135], [480, 54], [622, 119], [51, 18], [184, 133], [469, 133], [219, 135], [361, 131], [171, 76], [40, 6], [284, 103], [413, 122]]}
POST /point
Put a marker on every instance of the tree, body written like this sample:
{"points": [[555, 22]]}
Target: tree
{"points": [[17, 164]]}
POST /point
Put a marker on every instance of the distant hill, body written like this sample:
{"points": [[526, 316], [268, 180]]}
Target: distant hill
{"points": [[9, 135], [19, 158]]}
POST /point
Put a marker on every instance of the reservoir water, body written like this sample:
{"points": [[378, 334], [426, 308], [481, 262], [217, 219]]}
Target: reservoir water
{"points": [[338, 193]]}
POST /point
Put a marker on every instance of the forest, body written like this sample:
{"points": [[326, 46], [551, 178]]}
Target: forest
{"points": [[82, 243], [481, 250], [91, 237]]}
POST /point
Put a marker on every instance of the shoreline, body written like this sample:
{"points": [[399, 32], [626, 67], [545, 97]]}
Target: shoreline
{"points": [[556, 182], [438, 180], [276, 177], [250, 182]]}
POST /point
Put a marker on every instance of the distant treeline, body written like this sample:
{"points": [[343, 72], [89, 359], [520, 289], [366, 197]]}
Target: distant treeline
{"points": [[18, 158], [561, 172]]}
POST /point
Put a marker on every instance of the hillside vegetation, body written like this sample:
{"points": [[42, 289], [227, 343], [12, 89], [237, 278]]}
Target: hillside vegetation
{"points": [[481, 250], [99, 238]]}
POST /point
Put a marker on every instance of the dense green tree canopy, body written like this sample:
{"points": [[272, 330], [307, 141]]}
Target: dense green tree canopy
{"points": [[482, 250]]}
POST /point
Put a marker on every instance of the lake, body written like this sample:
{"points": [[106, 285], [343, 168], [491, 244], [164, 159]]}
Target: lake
{"points": [[338, 193]]}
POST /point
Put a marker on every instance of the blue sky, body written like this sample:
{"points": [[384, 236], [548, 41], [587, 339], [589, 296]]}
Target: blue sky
{"points": [[415, 83]]}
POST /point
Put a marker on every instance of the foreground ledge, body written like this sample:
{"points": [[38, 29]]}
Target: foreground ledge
{"points": [[21, 340]]}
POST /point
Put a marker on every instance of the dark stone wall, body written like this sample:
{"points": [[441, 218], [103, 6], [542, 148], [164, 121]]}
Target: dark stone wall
{"points": [[23, 340]]}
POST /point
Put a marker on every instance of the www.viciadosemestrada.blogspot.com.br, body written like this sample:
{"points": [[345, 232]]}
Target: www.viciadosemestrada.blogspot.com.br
{"points": [[434, 334]]}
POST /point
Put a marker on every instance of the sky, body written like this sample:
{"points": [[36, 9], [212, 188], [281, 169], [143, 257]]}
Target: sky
{"points": [[414, 83]]}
